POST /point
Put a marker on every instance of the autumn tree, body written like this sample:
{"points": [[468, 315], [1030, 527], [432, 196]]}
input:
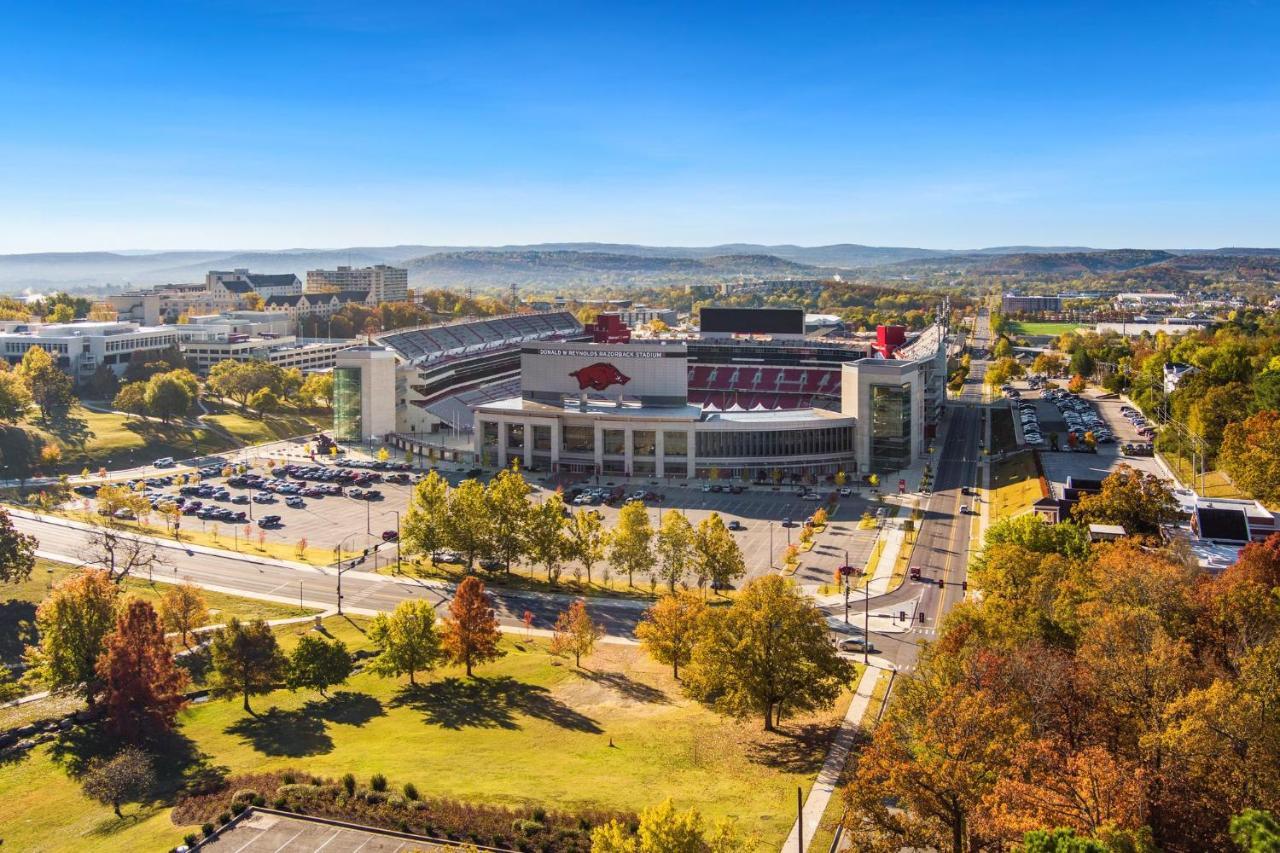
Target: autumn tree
{"points": [[48, 385], [406, 639], [73, 623], [168, 396], [1250, 454], [674, 546], [126, 777], [1137, 501], [131, 398], [716, 555], [767, 653], [670, 628], [631, 543], [17, 551], [141, 685], [317, 663], [663, 829], [15, 397], [246, 659], [471, 634], [545, 535], [586, 539], [507, 499], [422, 531], [317, 389], [183, 610], [575, 633]]}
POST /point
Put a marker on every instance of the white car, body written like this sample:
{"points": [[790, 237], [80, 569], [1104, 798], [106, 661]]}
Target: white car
{"points": [[811, 496], [845, 491]]}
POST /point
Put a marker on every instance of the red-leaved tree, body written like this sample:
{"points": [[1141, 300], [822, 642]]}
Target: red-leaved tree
{"points": [[471, 631], [142, 687]]}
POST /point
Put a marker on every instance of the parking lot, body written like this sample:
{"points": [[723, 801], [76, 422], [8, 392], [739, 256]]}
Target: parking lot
{"points": [[333, 503], [267, 832]]}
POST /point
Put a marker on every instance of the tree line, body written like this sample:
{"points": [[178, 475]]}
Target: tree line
{"points": [[501, 524]]}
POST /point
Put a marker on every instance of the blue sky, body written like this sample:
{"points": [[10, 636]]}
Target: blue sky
{"points": [[268, 125]]}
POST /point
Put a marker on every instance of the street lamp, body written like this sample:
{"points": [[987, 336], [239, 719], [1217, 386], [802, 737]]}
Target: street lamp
{"points": [[771, 544], [341, 569], [397, 512]]}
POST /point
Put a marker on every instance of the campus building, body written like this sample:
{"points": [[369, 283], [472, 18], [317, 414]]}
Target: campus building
{"points": [[379, 283], [1013, 303], [79, 348]]}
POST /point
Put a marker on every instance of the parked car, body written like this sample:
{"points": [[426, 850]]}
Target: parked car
{"points": [[269, 521], [295, 502], [856, 645], [736, 525]]}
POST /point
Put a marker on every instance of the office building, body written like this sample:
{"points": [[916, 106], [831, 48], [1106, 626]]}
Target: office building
{"points": [[381, 283]]}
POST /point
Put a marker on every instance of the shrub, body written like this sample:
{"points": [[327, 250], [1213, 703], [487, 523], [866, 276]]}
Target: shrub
{"points": [[378, 782], [374, 798], [190, 839], [238, 808], [245, 795], [396, 801], [207, 829], [279, 803], [259, 800], [349, 782], [224, 818], [526, 827], [417, 806], [540, 814], [410, 791], [289, 777]]}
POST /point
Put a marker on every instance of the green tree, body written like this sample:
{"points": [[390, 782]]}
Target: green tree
{"points": [[767, 652], [73, 624], [675, 547], [1256, 831], [17, 551], [422, 531], [264, 401], [1251, 454], [1136, 501], [466, 523], [168, 397], [716, 556], [507, 497], [586, 539], [247, 660], [317, 663], [1002, 349], [406, 639], [1060, 840], [631, 543], [131, 399], [670, 628], [546, 535], [15, 397], [125, 777], [49, 387], [61, 313], [317, 389]]}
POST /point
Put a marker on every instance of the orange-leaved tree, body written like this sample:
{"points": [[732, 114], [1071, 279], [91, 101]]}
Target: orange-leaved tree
{"points": [[141, 685], [471, 631]]}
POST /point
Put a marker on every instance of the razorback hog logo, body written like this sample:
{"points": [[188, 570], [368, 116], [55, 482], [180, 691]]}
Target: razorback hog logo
{"points": [[599, 376]]}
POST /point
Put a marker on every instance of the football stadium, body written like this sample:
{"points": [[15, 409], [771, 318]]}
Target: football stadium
{"points": [[749, 396]]}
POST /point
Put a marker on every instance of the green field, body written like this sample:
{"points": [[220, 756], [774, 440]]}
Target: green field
{"points": [[529, 729], [1033, 328], [1015, 485]]}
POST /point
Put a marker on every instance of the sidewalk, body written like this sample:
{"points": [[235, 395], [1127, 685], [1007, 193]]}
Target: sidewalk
{"points": [[815, 805]]}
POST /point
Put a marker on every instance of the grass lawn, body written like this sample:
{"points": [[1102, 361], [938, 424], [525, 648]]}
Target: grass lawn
{"points": [[249, 430], [530, 729], [1043, 328], [114, 441], [1015, 485], [1216, 483], [1003, 438]]}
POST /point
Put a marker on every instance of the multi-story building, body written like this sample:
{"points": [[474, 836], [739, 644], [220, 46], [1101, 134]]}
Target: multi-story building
{"points": [[255, 335], [641, 315], [382, 283], [79, 348], [1013, 303], [241, 282], [166, 303]]}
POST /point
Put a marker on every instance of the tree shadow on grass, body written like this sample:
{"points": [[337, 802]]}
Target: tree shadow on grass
{"points": [[175, 759], [798, 748], [628, 687], [294, 734], [70, 429], [489, 703], [14, 635], [346, 707]]}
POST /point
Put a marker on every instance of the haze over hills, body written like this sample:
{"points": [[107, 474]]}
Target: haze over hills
{"points": [[570, 264]]}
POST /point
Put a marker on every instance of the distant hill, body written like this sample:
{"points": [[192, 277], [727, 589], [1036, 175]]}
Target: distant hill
{"points": [[566, 267], [563, 264]]}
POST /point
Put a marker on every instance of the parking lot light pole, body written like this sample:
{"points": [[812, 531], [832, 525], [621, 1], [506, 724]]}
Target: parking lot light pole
{"points": [[341, 570], [866, 622], [397, 512], [771, 544]]}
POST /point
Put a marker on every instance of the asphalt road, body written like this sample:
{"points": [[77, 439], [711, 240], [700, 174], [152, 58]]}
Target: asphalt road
{"points": [[318, 587]]}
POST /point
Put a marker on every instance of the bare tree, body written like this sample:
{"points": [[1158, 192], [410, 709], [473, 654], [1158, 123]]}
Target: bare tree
{"points": [[121, 554]]}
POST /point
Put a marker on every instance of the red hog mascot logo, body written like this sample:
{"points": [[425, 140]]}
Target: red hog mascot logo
{"points": [[599, 376]]}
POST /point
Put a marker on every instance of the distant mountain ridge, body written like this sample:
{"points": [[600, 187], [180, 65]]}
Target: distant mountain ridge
{"points": [[587, 262]]}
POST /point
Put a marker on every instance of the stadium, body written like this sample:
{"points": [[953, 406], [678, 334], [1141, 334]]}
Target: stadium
{"points": [[750, 396]]}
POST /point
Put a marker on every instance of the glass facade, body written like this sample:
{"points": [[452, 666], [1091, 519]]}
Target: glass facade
{"points": [[542, 439], [890, 427], [515, 436], [347, 421], [675, 444], [644, 442], [578, 439], [787, 443], [615, 442]]}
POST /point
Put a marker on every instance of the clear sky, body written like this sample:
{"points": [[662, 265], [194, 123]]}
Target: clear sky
{"points": [[268, 125]]}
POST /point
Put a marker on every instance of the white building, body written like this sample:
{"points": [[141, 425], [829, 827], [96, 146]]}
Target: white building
{"points": [[364, 394], [241, 282], [255, 336], [381, 283], [80, 347]]}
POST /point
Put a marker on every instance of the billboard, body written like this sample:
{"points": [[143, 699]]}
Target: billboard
{"points": [[752, 321]]}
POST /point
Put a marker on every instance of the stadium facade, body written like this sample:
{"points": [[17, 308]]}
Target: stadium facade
{"points": [[545, 392]]}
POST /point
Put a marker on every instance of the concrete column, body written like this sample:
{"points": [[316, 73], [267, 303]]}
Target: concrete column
{"points": [[659, 448], [528, 445], [598, 446], [502, 443], [628, 451], [691, 466], [555, 442]]}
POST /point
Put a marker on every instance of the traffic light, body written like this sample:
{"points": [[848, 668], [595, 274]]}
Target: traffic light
{"points": [[964, 585], [941, 583]]}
